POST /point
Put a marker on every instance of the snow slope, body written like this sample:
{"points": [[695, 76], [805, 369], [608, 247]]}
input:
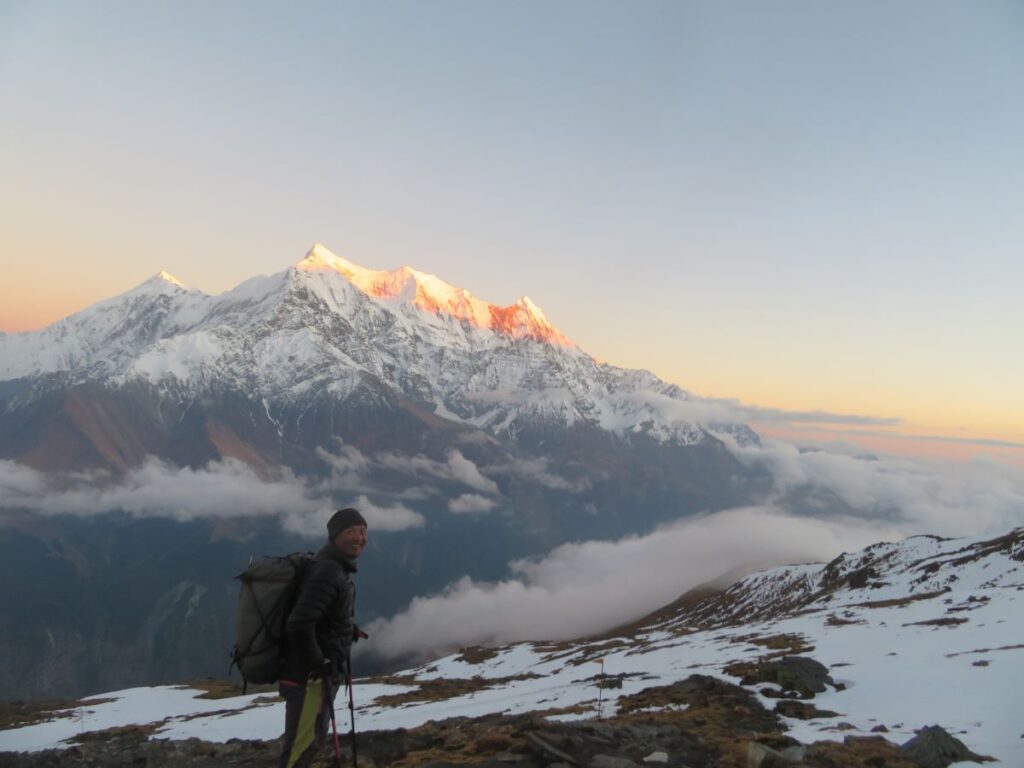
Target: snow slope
{"points": [[920, 632]]}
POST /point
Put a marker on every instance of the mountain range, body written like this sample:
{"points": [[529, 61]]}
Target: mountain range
{"points": [[284, 364], [153, 442]]}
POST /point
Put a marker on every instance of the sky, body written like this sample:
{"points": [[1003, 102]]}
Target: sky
{"points": [[805, 207]]}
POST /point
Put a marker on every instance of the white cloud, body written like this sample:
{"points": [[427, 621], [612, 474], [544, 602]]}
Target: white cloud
{"points": [[537, 469], [585, 588], [349, 467], [927, 496], [226, 488], [456, 467], [580, 589], [469, 503], [709, 411], [396, 517]]}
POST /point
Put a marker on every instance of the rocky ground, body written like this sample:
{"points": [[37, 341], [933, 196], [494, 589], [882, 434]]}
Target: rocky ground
{"points": [[699, 722]]}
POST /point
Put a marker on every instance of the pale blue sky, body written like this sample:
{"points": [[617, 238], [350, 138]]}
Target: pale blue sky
{"points": [[801, 204]]}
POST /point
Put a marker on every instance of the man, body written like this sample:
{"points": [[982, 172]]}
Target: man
{"points": [[320, 631]]}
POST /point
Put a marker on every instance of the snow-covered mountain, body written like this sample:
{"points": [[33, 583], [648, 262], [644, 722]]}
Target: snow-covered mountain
{"points": [[475, 434], [849, 658], [329, 330]]}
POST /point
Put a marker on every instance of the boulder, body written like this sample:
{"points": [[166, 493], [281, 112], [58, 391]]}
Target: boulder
{"points": [[760, 756], [934, 747], [796, 673]]}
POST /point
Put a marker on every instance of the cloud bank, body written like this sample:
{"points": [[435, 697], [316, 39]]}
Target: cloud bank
{"points": [[709, 411], [588, 587], [579, 589], [226, 488]]}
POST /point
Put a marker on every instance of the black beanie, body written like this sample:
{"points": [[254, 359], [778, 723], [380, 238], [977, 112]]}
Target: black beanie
{"points": [[342, 519]]}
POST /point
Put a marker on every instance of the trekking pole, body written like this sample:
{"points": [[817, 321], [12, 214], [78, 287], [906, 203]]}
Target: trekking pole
{"points": [[351, 712], [334, 722]]}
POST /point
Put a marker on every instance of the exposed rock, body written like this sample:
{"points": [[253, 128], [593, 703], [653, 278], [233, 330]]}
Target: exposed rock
{"points": [[796, 673], [801, 710], [610, 761], [760, 756], [656, 757], [548, 750], [934, 747], [796, 753]]}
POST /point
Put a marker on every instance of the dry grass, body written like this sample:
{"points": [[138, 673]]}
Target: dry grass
{"points": [[440, 689], [131, 732], [900, 601], [476, 654], [855, 751], [945, 621], [722, 715], [19, 713], [802, 710], [220, 688], [1018, 646], [465, 744]]}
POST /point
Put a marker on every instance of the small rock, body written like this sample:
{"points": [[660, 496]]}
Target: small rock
{"points": [[510, 757], [611, 761], [879, 729], [492, 743], [548, 750], [657, 757], [601, 731], [760, 756], [796, 753], [456, 740]]}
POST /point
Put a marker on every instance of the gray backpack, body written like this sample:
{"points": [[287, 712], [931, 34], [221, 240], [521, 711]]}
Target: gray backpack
{"points": [[269, 588]]}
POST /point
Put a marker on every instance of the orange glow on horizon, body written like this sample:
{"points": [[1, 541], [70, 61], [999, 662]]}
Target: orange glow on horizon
{"points": [[912, 443]]}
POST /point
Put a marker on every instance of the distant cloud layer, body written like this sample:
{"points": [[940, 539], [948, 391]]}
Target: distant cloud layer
{"points": [[227, 488], [944, 498], [821, 501], [157, 489], [585, 588], [710, 411]]}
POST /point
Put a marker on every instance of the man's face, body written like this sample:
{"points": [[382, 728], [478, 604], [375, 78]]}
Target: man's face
{"points": [[351, 541]]}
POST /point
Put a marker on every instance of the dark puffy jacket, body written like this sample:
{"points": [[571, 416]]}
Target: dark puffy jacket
{"points": [[321, 624]]}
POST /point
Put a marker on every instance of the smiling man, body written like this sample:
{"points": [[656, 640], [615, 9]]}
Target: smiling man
{"points": [[320, 632]]}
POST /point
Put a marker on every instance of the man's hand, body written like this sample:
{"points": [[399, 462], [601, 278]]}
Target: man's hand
{"points": [[326, 671]]}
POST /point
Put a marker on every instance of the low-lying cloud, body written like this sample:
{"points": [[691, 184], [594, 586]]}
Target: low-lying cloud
{"points": [[584, 588], [579, 589], [157, 489], [227, 488], [538, 469], [709, 411], [469, 503], [928, 496], [456, 468]]}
